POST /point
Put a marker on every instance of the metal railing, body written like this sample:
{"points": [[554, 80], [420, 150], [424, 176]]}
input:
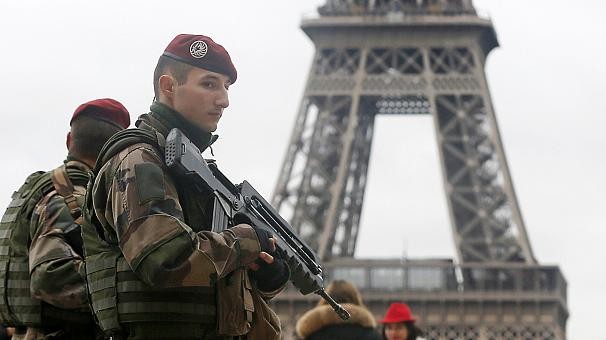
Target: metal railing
{"points": [[406, 7], [446, 276]]}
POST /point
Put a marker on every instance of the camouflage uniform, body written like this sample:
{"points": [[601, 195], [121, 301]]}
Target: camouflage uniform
{"points": [[58, 304], [55, 255], [174, 278], [56, 263]]}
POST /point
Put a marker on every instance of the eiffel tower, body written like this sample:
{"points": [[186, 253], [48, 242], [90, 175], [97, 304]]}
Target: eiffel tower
{"points": [[414, 57]]}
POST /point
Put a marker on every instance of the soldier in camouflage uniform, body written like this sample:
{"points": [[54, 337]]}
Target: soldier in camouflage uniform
{"points": [[57, 274], [154, 268]]}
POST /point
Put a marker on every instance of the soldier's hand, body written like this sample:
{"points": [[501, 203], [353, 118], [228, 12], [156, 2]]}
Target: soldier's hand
{"points": [[264, 256], [270, 272]]}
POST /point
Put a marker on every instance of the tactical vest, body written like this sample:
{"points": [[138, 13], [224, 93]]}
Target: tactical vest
{"points": [[117, 295], [17, 307]]}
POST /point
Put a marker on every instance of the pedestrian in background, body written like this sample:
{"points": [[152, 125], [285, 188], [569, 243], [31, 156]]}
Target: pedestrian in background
{"points": [[399, 324], [322, 323]]}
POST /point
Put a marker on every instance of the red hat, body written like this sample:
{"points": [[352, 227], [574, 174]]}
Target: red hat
{"points": [[398, 312], [105, 109], [201, 51]]}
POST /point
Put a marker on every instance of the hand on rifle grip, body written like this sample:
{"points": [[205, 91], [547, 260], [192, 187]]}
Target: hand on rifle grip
{"points": [[266, 240]]}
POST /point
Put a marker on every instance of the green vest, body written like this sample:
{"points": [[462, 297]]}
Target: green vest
{"points": [[119, 298], [17, 307]]}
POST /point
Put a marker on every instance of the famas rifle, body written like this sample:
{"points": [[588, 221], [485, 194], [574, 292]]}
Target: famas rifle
{"points": [[240, 203]]}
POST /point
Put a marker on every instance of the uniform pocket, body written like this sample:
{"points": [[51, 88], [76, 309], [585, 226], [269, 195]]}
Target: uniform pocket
{"points": [[266, 324], [234, 304]]}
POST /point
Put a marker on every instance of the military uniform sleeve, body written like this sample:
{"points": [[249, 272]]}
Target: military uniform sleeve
{"points": [[143, 207], [56, 269]]}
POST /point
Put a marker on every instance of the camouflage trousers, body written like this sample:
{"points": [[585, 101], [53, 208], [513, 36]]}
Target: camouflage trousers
{"points": [[30, 334], [169, 331], [175, 336], [40, 334]]}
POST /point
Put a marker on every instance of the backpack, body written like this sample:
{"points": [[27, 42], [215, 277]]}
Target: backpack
{"points": [[17, 308]]}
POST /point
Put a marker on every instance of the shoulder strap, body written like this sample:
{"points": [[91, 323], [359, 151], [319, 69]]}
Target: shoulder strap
{"points": [[116, 143], [36, 186], [125, 138], [63, 186]]}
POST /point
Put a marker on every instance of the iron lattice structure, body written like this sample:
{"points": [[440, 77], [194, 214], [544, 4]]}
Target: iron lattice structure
{"points": [[404, 58], [504, 301], [414, 57]]}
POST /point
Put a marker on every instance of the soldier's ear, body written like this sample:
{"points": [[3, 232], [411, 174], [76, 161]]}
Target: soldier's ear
{"points": [[167, 85], [68, 140]]}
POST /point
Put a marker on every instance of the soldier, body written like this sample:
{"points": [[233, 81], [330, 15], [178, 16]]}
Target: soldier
{"points": [[46, 287], [154, 268]]}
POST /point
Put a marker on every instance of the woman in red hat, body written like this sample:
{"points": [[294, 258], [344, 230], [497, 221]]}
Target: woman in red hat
{"points": [[399, 324]]}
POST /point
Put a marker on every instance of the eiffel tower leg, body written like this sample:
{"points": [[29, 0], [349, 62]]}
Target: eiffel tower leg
{"points": [[329, 185], [487, 223], [415, 57]]}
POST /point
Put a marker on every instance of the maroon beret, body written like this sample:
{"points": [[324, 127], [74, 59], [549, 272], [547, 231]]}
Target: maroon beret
{"points": [[105, 109], [201, 51]]}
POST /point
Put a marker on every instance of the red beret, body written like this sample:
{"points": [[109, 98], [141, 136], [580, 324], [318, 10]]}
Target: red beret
{"points": [[105, 109], [201, 51]]}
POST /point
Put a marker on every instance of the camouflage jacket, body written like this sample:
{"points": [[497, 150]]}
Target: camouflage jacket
{"points": [[55, 254], [137, 201], [162, 225]]}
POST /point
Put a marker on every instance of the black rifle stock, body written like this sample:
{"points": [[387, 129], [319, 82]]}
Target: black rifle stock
{"points": [[241, 203]]}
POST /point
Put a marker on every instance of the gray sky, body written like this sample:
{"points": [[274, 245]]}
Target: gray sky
{"points": [[546, 81]]}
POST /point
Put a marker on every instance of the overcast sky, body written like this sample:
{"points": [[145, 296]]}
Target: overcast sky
{"points": [[546, 80]]}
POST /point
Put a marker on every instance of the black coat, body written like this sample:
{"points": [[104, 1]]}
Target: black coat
{"points": [[345, 331], [322, 323]]}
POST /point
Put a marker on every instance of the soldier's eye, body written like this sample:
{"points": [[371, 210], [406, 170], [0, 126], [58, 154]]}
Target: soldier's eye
{"points": [[208, 84]]}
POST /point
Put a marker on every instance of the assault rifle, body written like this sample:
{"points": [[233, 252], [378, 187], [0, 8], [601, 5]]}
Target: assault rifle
{"points": [[241, 203]]}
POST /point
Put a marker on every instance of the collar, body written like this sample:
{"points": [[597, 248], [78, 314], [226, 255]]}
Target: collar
{"points": [[162, 119], [73, 162], [323, 315]]}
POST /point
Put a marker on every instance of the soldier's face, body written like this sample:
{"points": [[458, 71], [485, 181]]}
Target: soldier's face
{"points": [[202, 98]]}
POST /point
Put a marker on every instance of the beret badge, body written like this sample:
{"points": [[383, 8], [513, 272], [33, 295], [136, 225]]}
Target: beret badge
{"points": [[198, 49], [202, 52]]}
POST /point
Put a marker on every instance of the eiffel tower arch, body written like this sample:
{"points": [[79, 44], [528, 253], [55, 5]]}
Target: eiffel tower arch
{"points": [[415, 57]]}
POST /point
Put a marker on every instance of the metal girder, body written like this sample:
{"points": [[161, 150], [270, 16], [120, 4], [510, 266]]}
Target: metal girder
{"points": [[406, 57], [403, 68], [382, 7]]}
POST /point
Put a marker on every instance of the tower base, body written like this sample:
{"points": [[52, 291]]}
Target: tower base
{"points": [[480, 301]]}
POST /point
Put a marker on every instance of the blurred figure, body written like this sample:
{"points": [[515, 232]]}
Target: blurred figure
{"points": [[6, 332], [399, 323], [322, 323]]}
